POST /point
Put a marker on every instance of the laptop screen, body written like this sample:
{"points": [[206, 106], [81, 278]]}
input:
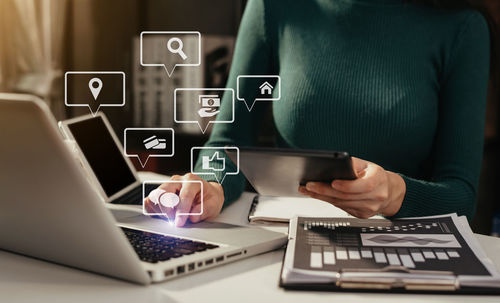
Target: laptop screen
{"points": [[103, 155]]}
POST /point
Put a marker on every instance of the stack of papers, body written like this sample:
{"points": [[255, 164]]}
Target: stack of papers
{"points": [[426, 253]]}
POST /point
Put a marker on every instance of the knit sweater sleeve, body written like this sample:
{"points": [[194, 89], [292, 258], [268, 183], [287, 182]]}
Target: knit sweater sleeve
{"points": [[252, 56], [458, 143]]}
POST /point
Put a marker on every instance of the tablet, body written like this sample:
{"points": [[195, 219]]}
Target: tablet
{"points": [[279, 172]]}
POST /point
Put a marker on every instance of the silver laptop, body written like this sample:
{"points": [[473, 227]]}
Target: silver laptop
{"points": [[49, 210]]}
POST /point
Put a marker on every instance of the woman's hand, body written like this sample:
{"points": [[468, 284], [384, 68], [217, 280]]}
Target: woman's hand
{"points": [[189, 200], [375, 191]]}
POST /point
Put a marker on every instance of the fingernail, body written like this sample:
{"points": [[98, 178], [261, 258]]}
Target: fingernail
{"points": [[310, 185], [178, 221]]}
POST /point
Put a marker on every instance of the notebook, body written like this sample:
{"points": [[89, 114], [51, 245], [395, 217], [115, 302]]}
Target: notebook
{"points": [[267, 209], [438, 253]]}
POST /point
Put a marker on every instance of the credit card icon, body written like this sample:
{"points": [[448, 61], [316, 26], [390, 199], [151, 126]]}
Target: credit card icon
{"points": [[155, 143]]}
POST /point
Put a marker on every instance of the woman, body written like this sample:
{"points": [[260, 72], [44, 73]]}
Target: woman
{"points": [[401, 86]]}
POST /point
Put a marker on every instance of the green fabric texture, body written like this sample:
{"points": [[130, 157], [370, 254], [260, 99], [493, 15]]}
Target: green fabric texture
{"points": [[400, 85]]}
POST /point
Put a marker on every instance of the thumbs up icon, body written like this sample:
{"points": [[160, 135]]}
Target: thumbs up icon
{"points": [[213, 163]]}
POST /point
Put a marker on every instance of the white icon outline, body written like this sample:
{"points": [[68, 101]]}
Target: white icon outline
{"points": [[203, 130], [266, 86], [171, 181], [213, 173], [151, 155], [169, 74], [215, 156], [177, 50], [86, 104], [203, 112], [278, 85], [95, 90], [155, 197]]}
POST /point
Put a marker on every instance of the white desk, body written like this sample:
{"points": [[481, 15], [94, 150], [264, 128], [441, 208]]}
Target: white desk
{"points": [[253, 280]]}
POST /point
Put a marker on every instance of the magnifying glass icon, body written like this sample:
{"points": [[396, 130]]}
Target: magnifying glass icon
{"points": [[178, 49]]}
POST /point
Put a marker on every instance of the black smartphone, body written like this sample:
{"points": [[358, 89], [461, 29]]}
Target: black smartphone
{"points": [[279, 172]]}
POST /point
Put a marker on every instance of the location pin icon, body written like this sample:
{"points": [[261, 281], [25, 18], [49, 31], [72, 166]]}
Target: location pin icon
{"points": [[95, 90]]}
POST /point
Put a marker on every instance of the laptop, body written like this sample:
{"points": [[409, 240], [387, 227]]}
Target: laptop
{"points": [[50, 211], [101, 156]]}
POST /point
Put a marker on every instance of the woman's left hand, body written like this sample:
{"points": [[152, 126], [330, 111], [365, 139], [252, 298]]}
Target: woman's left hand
{"points": [[375, 191]]}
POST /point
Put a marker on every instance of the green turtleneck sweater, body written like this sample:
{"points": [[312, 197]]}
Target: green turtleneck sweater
{"points": [[400, 85]]}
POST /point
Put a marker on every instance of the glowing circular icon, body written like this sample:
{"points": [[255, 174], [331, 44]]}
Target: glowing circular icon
{"points": [[165, 198]]}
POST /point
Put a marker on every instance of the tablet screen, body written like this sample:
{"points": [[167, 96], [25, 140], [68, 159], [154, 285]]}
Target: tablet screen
{"points": [[103, 155]]}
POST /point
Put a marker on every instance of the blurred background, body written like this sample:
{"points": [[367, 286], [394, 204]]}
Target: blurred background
{"points": [[42, 39]]}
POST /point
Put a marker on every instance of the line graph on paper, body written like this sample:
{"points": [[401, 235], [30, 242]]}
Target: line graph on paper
{"points": [[409, 240]]}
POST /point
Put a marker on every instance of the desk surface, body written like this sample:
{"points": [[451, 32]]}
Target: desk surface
{"points": [[255, 279]]}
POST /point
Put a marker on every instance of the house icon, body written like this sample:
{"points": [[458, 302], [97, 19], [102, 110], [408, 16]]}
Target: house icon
{"points": [[266, 88]]}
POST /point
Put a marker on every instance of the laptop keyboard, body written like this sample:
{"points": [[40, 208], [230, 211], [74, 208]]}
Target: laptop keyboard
{"points": [[154, 248], [134, 196]]}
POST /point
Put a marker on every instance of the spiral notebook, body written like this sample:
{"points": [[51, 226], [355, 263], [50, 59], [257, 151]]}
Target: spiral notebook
{"points": [[268, 209]]}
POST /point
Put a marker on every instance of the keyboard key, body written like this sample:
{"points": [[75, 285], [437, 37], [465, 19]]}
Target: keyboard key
{"points": [[453, 253], [134, 196], [153, 248]]}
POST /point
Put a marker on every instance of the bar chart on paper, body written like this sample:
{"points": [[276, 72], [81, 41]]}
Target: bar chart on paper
{"points": [[421, 244]]}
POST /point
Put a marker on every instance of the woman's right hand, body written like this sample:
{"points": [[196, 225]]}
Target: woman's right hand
{"points": [[189, 200]]}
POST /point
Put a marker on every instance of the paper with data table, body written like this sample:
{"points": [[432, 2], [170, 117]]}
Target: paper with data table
{"points": [[431, 250]]}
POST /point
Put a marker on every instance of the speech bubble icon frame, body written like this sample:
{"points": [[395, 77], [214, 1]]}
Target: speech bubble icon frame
{"points": [[257, 99], [213, 173], [169, 74], [196, 121], [86, 104], [150, 156], [171, 181]]}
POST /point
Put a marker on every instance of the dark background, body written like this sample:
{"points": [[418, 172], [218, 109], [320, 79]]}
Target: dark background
{"points": [[99, 37]]}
